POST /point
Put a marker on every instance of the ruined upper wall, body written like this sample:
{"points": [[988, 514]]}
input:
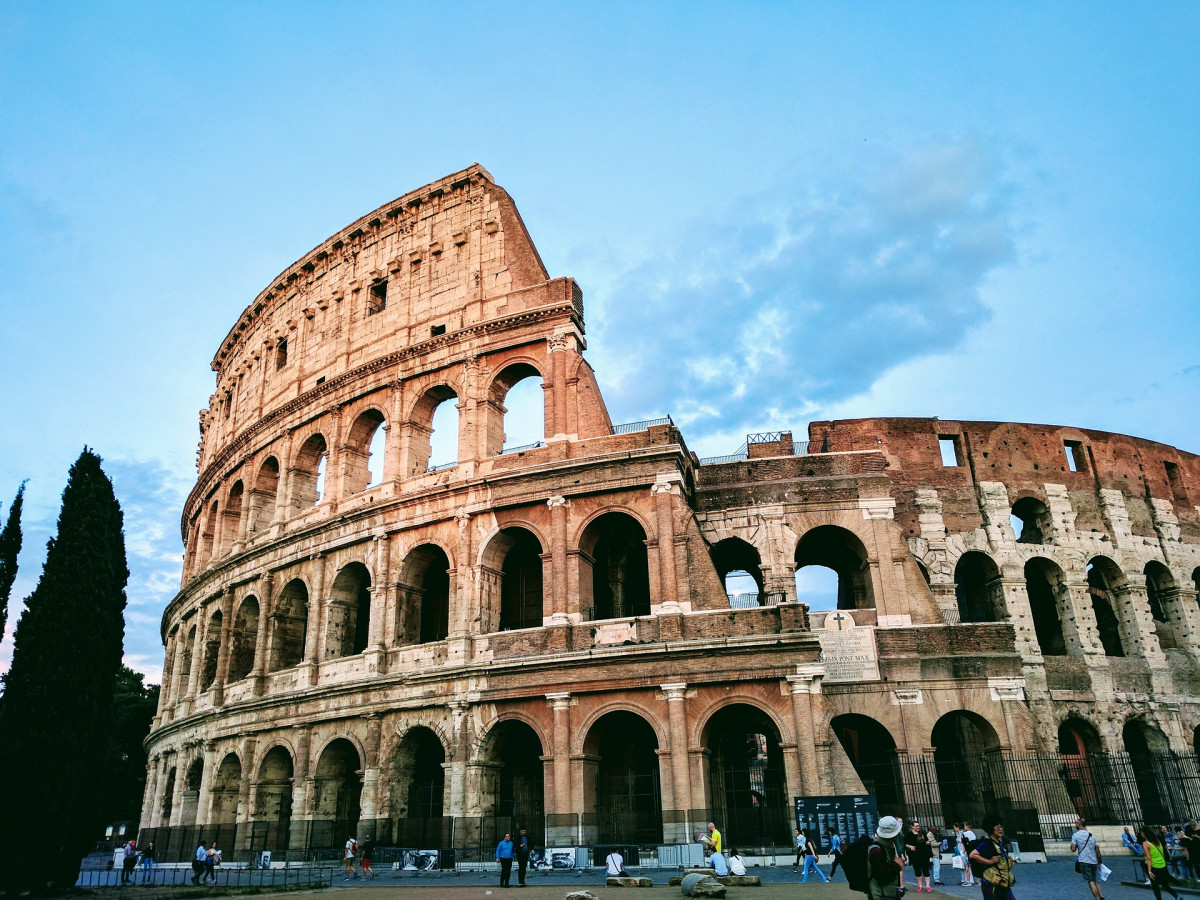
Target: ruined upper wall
{"points": [[1025, 458], [435, 261]]}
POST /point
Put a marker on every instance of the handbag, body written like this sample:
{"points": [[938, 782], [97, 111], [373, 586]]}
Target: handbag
{"points": [[1078, 866], [956, 861]]}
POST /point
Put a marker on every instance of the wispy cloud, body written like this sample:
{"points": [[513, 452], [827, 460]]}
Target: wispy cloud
{"points": [[806, 294]]}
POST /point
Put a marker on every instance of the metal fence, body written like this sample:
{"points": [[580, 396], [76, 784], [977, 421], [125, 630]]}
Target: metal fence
{"points": [[234, 876], [630, 427]]}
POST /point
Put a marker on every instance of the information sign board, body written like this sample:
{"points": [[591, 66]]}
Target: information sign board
{"points": [[851, 815]]}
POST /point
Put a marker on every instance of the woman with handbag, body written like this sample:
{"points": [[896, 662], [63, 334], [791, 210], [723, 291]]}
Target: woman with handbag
{"points": [[1156, 862]]}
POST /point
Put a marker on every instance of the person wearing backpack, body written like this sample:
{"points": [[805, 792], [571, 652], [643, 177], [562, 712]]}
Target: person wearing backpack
{"points": [[990, 855], [1087, 857], [884, 863]]}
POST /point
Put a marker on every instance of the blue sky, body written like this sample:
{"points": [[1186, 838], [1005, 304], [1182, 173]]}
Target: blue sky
{"points": [[778, 212]]}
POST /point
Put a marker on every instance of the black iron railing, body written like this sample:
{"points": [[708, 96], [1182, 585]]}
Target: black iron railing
{"points": [[629, 427]]}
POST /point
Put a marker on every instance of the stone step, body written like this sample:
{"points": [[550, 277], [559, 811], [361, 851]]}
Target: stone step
{"points": [[628, 881], [729, 880]]}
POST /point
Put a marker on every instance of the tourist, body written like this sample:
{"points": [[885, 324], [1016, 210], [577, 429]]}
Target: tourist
{"points": [[350, 853], [992, 853], [614, 865], [1155, 863], [718, 863], [1180, 867], [935, 854], [366, 851], [916, 848], [712, 841], [966, 837], [199, 861], [884, 863], [522, 851], [798, 841], [1130, 843], [148, 863], [128, 861], [835, 850], [1087, 857], [810, 860], [504, 856], [737, 866], [211, 860]]}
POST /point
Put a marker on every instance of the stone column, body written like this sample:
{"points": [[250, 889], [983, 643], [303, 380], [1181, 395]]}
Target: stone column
{"points": [[376, 662], [223, 648], [283, 486], [313, 637], [556, 418], [676, 697], [393, 457], [205, 800], [263, 639], [146, 820], [464, 600], [369, 805], [456, 766], [805, 683], [193, 678], [558, 560], [560, 703], [664, 524]]}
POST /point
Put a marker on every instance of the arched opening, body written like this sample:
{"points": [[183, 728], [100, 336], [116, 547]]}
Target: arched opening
{"points": [[746, 781], [208, 538], [1196, 740], [225, 790], [425, 595], [613, 570], [433, 430], [1160, 594], [231, 520], [517, 554], [289, 626], [921, 567], [625, 788], [212, 650], [195, 544], [838, 550], [417, 789], [362, 454], [516, 409], [244, 639], [1083, 773], [977, 588], [264, 495], [194, 777], [1103, 576], [168, 797], [337, 789], [1196, 581], [1044, 585], [739, 567], [273, 800], [1149, 757], [515, 753], [1031, 521], [185, 667], [349, 615], [872, 752], [308, 474], [970, 772]]}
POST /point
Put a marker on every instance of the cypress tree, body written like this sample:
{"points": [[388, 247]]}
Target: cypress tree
{"points": [[10, 549], [56, 710]]}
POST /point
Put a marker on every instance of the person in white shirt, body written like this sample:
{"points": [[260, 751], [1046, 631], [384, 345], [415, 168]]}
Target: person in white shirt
{"points": [[736, 865], [614, 865], [1087, 854], [966, 838]]}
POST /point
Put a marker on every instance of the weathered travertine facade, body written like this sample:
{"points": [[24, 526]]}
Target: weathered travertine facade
{"points": [[543, 635]]}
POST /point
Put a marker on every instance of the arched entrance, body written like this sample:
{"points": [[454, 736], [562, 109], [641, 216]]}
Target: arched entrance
{"points": [[289, 626], [515, 797], [746, 781], [271, 827], [1082, 769], [1105, 585], [872, 752], [970, 772], [516, 554], [1043, 580], [349, 612], [418, 785], [624, 790], [337, 789], [977, 588], [425, 595], [191, 793], [613, 567], [225, 791], [1153, 769]]}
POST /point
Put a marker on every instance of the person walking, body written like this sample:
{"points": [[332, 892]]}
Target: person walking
{"points": [[798, 842], [992, 853], [916, 846], [148, 863], [810, 859], [884, 863], [211, 861], [935, 854], [522, 850], [504, 856], [128, 861], [1087, 857], [966, 837], [1156, 862], [199, 861], [350, 853], [835, 851], [366, 851]]}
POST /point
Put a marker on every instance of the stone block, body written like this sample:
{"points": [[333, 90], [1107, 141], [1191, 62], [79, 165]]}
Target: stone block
{"points": [[628, 881], [697, 885]]}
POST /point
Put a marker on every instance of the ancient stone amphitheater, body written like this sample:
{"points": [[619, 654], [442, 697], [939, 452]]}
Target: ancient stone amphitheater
{"points": [[551, 636]]}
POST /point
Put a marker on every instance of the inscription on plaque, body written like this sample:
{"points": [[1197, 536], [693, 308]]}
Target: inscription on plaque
{"points": [[848, 650]]}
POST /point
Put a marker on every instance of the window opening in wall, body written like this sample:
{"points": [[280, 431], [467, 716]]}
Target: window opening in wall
{"points": [[832, 570], [321, 380], [443, 440], [739, 567], [524, 416], [1030, 520], [281, 353], [377, 298], [321, 465], [1074, 451], [948, 446], [1175, 480], [375, 457], [1100, 577], [436, 330], [228, 404], [741, 589]]}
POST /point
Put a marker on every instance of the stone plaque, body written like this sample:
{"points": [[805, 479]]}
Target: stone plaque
{"points": [[848, 650]]}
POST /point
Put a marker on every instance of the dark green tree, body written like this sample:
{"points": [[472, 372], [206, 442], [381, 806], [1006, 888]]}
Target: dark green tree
{"points": [[10, 549], [124, 779], [56, 712]]}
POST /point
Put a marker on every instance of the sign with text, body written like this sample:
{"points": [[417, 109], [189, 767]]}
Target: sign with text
{"points": [[848, 650], [850, 815]]}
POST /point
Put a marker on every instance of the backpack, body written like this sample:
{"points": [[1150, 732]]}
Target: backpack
{"points": [[976, 867], [854, 863]]}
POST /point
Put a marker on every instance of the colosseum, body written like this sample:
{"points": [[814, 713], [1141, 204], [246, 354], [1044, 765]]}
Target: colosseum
{"points": [[598, 636]]}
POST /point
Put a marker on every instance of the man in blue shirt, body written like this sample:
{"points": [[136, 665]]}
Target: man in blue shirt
{"points": [[504, 856], [199, 862]]}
